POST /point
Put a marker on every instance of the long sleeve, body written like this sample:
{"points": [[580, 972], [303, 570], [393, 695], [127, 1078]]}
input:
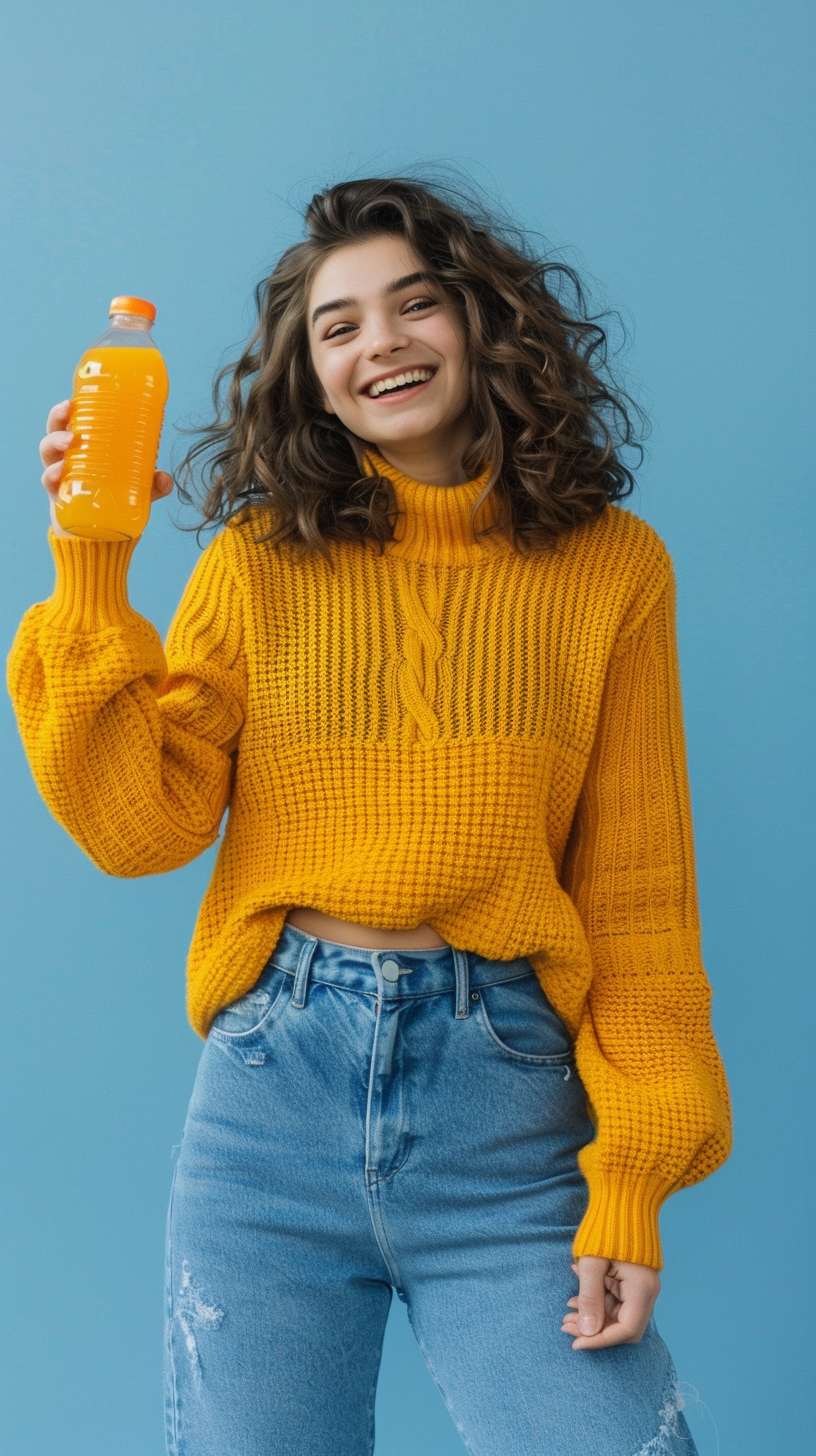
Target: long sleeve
{"points": [[645, 1047], [131, 747]]}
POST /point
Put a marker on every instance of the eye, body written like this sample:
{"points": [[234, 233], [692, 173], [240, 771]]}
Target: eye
{"points": [[421, 304], [340, 329]]}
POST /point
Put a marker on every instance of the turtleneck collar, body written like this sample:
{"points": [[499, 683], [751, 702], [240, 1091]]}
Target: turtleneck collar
{"points": [[435, 523]]}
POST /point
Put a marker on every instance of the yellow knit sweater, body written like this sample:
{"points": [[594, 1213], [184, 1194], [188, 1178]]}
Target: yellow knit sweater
{"points": [[448, 732]]}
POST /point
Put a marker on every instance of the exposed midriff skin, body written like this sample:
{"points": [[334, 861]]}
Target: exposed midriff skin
{"points": [[366, 937]]}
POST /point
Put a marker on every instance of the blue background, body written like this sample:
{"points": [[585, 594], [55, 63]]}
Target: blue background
{"points": [[165, 150]]}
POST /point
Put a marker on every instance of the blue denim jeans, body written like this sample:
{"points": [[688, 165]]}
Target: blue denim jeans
{"points": [[368, 1121]]}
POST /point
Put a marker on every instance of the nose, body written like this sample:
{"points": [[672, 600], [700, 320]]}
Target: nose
{"points": [[384, 336]]}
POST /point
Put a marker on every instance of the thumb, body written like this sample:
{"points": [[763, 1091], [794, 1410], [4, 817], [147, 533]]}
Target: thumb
{"points": [[591, 1294], [162, 485]]}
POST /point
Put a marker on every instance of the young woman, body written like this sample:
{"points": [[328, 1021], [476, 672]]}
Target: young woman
{"points": [[458, 1037]]}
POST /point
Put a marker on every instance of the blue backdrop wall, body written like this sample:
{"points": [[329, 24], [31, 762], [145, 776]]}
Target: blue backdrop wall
{"points": [[166, 150]]}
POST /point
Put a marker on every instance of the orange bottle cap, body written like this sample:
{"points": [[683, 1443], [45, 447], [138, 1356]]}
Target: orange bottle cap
{"points": [[124, 304]]}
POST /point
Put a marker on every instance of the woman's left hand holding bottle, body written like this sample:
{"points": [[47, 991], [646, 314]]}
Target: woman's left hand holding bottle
{"points": [[52, 453]]}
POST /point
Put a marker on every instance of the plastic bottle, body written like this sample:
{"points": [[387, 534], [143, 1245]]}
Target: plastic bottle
{"points": [[117, 407]]}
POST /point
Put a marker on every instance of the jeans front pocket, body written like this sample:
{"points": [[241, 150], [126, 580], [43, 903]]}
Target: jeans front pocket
{"points": [[252, 1014], [520, 1022]]}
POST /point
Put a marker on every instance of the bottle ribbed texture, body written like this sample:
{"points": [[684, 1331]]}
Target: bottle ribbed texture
{"points": [[449, 732]]}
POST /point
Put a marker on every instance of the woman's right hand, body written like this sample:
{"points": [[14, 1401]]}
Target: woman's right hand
{"points": [[52, 453]]}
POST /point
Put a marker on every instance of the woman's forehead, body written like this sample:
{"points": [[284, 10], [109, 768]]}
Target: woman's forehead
{"points": [[357, 270]]}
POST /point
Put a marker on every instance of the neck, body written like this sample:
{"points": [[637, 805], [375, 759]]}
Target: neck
{"points": [[437, 526], [434, 461]]}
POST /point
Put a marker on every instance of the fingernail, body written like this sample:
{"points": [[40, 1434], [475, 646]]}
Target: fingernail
{"points": [[586, 1324]]}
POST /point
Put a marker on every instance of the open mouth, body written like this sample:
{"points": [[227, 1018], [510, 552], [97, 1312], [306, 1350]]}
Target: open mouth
{"points": [[400, 383]]}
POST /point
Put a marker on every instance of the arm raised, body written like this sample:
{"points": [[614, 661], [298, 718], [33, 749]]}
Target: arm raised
{"points": [[131, 747]]}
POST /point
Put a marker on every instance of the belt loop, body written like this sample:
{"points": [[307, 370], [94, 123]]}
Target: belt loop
{"points": [[460, 961], [307, 950]]}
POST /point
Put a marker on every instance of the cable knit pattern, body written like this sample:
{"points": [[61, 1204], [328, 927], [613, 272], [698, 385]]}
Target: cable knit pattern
{"points": [[448, 732]]}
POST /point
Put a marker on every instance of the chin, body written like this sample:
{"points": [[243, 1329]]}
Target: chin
{"points": [[398, 431]]}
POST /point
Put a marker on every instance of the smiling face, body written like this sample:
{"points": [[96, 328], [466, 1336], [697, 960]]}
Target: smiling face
{"points": [[390, 354]]}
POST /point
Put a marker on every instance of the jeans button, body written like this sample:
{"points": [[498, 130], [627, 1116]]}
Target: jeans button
{"points": [[390, 971]]}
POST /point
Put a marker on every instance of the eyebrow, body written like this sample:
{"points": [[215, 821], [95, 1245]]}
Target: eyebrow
{"points": [[396, 287]]}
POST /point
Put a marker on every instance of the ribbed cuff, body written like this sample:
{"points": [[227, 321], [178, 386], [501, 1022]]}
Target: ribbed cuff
{"points": [[91, 586], [621, 1221]]}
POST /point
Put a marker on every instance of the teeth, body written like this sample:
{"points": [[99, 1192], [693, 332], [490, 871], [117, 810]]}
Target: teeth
{"points": [[397, 381]]}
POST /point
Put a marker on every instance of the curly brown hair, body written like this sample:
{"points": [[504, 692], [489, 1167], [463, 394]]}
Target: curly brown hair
{"points": [[549, 419]]}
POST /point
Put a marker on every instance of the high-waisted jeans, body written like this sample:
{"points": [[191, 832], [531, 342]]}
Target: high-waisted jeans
{"points": [[364, 1121]]}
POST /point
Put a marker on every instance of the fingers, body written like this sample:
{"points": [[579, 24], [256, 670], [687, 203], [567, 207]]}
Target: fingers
{"points": [[621, 1315], [162, 485], [591, 1294], [625, 1323], [54, 445], [616, 1333], [52, 475], [52, 452], [58, 416], [612, 1303]]}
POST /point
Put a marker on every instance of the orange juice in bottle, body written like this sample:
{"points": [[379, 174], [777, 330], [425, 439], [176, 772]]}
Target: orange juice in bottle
{"points": [[117, 407]]}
